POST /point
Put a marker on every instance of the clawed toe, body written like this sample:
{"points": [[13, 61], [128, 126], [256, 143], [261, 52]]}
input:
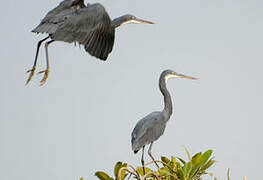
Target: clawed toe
{"points": [[43, 81], [32, 72]]}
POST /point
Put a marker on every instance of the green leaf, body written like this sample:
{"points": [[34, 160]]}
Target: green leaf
{"points": [[117, 168], [206, 156], [188, 154], [215, 178], [166, 172], [140, 170], [208, 165], [180, 171], [200, 165], [194, 172], [123, 177], [178, 165], [173, 162], [123, 173], [82, 178], [173, 159], [196, 162], [196, 159], [181, 160], [187, 169], [165, 159], [102, 175]]}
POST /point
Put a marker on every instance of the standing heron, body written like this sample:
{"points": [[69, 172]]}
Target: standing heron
{"points": [[90, 26], [151, 127]]}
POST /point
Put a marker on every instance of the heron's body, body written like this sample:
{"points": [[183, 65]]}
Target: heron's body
{"points": [[72, 21], [151, 127], [148, 130]]}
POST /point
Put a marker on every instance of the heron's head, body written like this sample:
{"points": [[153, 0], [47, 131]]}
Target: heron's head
{"points": [[167, 74], [128, 19]]}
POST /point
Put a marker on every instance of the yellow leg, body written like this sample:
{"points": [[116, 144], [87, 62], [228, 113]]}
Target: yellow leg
{"points": [[32, 71], [42, 82]]}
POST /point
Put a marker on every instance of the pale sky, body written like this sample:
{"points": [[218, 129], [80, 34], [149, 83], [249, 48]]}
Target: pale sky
{"points": [[81, 120]]}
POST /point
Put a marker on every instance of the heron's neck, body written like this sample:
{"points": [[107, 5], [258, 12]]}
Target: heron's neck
{"points": [[168, 105], [118, 21]]}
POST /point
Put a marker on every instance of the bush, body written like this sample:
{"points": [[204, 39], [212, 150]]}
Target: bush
{"points": [[171, 169]]}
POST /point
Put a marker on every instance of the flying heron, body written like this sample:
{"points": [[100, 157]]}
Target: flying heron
{"points": [[90, 26], [151, 127]]}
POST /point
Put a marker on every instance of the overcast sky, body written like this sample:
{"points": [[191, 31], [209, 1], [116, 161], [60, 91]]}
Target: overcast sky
{"points": [[81, 120]]}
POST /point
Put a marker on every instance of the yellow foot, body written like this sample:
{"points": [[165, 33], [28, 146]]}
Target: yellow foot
{"points": [[32, 72], [42, 82]]}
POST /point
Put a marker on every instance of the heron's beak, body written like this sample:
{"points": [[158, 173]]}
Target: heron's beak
{"points": [[184, 76], [141, 21]]}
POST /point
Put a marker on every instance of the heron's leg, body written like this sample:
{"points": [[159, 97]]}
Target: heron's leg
{"points": [[32, 71], [42, 82], [142, 160], [150, 154]]}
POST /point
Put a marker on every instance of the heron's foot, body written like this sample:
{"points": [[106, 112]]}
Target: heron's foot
{"points": [[32, 72], [43, 81]]}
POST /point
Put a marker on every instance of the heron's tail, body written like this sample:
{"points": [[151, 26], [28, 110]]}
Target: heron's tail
{"points": [[135, 151]]}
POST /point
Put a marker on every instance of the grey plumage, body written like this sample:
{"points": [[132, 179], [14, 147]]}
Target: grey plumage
{"points": [[90, 26], [151, 127], [57, 15], [148, 130], [73, 22]]}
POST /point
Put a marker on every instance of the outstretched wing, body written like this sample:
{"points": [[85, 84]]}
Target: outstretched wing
{"points": [[90, 26], [56, 15]]}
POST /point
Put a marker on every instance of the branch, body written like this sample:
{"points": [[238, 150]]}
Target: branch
{"points": [[131, 172], [228, 174], [150, 173], [162, 163]]}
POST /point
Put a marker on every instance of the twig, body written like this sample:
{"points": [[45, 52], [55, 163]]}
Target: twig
{"points": [[132, 168], [150, 173], [131, 172], [162, 163], [129, 176], [138, 175], [228, 174]]}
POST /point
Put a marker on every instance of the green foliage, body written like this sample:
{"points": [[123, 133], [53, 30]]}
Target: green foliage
{"points": [[118, 175], [103, 176], [172, 169]]}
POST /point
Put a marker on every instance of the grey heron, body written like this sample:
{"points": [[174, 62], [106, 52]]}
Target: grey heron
{"points": [[151, 127], [90, 26]]}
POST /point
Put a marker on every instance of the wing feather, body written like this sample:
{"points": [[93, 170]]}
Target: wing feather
{"points": [[147, 130], [90, 26], [104, 46], [50, 22]]}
